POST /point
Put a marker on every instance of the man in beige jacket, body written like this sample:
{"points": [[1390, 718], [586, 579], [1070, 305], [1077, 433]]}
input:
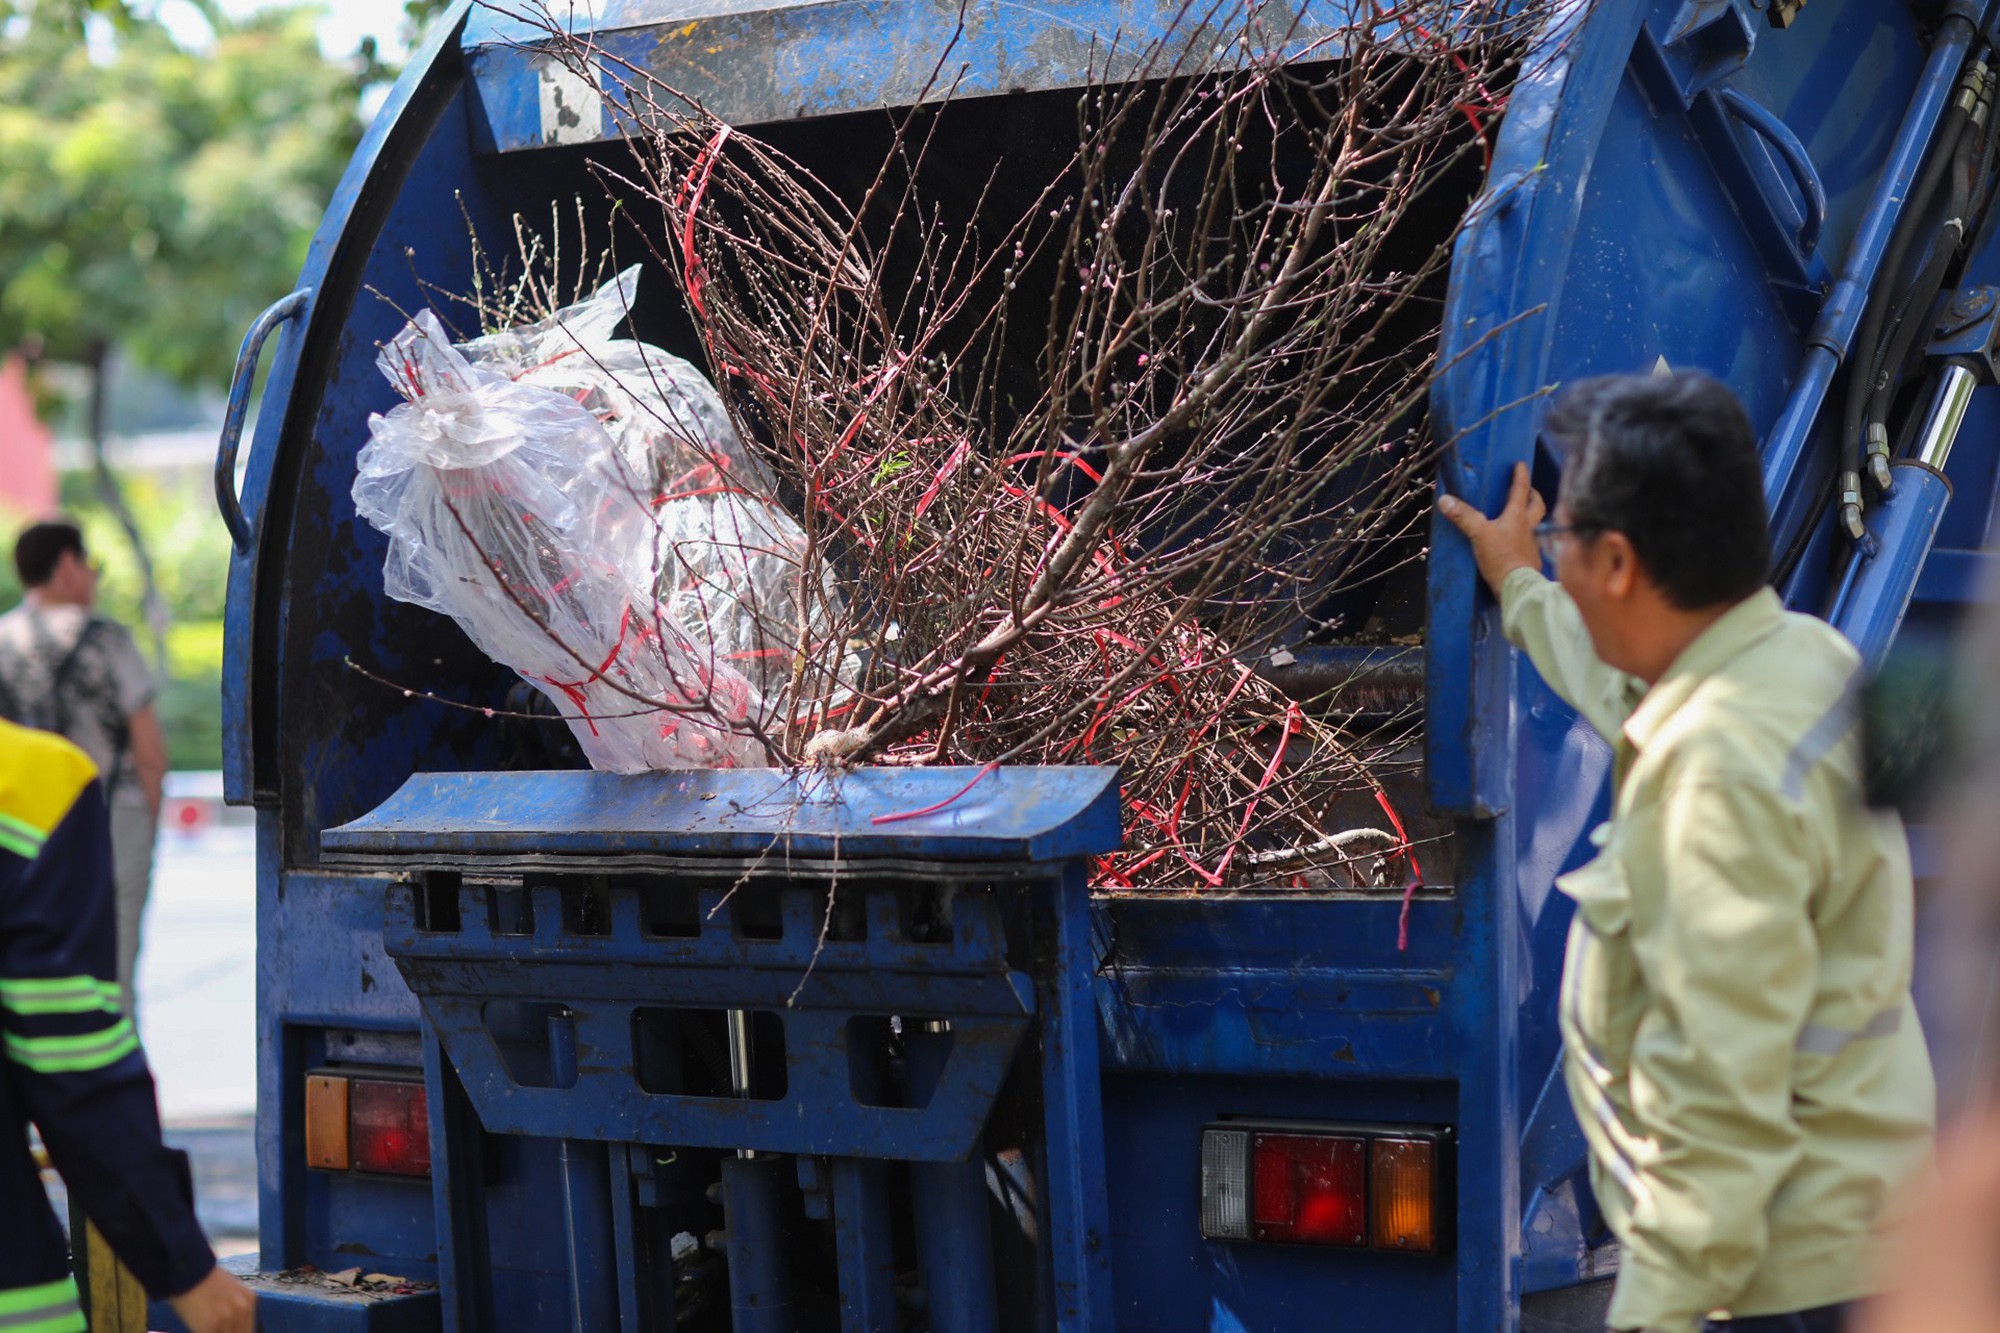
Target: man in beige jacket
{"points": [[1739, 1042]]}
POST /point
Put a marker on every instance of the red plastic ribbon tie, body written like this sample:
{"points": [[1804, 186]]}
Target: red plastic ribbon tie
{"points": [[933, 809], [1416, 871]]}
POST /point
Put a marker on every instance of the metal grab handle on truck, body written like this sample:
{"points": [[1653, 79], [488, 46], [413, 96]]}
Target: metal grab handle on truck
{"points": [[1779, 136], [226, 499]]}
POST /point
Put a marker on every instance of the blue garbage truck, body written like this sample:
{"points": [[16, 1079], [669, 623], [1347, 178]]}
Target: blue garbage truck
{"points": [[534, 1050]]}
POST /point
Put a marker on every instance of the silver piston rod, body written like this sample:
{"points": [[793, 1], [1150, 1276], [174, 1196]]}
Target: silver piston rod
{"points": [[742, 1057], [1882, 574], [1944, 414]]}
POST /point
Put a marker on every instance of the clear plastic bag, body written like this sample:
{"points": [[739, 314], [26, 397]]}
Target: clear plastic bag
{"points": [[731, 559], [510, 509], [665, 416]]}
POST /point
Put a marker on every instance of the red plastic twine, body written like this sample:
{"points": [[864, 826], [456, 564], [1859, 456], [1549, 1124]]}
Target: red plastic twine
{"points": [[692, 262], [933, 809], [1416, 871], [573, 689]]}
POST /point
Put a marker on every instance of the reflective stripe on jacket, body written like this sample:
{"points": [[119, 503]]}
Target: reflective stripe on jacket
{"points": [[1739, 1042], [46, 1307]]}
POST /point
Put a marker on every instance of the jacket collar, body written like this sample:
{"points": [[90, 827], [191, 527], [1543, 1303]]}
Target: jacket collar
{"points": [[1740, 628]]}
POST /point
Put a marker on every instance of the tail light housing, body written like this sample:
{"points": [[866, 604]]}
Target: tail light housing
{"points": [[369, 1123], [1378, 1187]]}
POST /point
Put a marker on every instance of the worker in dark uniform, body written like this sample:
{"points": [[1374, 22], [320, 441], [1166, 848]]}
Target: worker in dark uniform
{"points": [[71, 1065]]}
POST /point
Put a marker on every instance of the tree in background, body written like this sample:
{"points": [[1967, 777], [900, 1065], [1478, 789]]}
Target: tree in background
{"points": [[417, 16], [156, 198], [69, 13], [153, 199]]}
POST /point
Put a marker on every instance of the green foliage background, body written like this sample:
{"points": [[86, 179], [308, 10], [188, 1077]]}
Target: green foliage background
{"points": [[153, 199], [176, 510], [157, 200]]}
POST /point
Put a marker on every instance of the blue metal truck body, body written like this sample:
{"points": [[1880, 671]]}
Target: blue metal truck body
{"points": [[1677, 179]]}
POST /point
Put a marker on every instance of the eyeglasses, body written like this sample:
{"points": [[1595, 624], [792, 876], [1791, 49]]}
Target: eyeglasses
{"points": [[1546, 535]]}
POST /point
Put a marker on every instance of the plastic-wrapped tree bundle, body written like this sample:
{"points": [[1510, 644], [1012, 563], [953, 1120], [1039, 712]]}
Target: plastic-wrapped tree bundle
{"points": [[509, 509], [731, 557], [665, 416]]}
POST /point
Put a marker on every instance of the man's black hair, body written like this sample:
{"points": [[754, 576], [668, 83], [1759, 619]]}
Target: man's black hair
{"points": [[1671, 462], [41, 546]]}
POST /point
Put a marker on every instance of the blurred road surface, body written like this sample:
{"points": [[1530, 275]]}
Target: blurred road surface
{"points": [[198, 956]]}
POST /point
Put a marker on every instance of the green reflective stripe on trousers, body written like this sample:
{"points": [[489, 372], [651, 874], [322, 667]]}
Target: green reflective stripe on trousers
{"points": [[60, 995], [73, 1054], [48, 1308]]}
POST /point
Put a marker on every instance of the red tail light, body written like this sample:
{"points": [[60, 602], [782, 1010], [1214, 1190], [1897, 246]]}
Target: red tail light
{"points": [[367, 1124], [1308, 1189], [391, 1127], [1354, 1186]]}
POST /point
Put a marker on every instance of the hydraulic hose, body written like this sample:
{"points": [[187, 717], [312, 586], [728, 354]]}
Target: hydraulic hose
{"points": [[1989, 153], [1966, 182], [1922, 293], [1913, 317], [1797, 508], [1868, 339]]}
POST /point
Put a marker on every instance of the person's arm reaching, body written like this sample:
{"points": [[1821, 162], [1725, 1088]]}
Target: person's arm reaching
{"points": [[72, 1059], [219, 1303], [149, 755], [1536, 615], [145, 742], [1730, 962]]}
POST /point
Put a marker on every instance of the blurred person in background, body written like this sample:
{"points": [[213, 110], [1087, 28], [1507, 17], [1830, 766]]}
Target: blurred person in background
{"points": [[1944, 1274], [1944, 1271], [65, 668]]}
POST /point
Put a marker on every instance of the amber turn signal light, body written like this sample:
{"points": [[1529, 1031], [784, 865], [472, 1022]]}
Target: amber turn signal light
{"points": [[326, 1122], [1402, 1195]]}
